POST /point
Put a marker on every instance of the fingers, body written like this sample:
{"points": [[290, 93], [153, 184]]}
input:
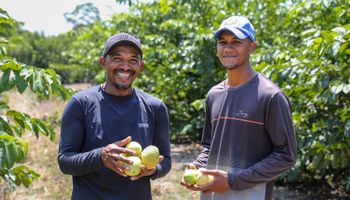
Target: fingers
{"points": [[161, 158], [190, 187], [117, 167], [123, 142], [122, 150], [144, 172], [191, 166], [119, 171], [209, 172]]}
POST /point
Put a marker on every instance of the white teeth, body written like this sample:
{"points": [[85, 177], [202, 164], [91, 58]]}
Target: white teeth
{"points": [[123, 75]]}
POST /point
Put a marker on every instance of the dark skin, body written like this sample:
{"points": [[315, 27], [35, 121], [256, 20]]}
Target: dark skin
{"points": [[123, 64], [114, 159], [233, 54], [219, 184]]}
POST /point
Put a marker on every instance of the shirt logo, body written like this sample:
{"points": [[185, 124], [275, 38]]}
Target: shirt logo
{"points": [[242, 114], [143, 125]]}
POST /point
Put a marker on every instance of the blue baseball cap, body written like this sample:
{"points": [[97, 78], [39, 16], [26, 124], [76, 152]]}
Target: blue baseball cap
{"points": [[239, 26]]}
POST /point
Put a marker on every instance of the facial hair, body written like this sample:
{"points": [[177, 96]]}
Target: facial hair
{"points": [[123, 86]]}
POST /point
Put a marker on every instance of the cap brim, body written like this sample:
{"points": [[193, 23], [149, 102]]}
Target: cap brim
{"points": [[124, 42], [239, 34]]}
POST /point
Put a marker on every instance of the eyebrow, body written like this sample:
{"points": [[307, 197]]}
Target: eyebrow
{"points": [[234, 39], [113, 54]]}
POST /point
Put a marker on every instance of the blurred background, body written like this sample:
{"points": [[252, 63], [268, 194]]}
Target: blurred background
{"points": [[303, 46]]}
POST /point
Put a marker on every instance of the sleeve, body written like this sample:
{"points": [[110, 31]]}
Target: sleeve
{"points": [[202, 158], [279, 126], [70, 158], [162, 141]]}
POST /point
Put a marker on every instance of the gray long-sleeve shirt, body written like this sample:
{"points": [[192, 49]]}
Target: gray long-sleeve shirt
{"points": [[93, 119], [249, 133]]}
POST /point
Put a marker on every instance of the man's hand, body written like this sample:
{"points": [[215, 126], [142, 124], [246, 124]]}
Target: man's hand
{"points": [[219, 184], [112, 156], [187, 185], [145, 171]]}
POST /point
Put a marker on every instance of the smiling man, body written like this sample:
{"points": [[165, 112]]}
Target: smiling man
{"points": [[248, 138], [98, 122]]}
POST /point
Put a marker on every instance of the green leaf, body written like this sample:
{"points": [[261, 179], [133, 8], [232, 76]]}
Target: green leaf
{"points": [[4, 125], [20, 82], [3, 106], [336, 89], [24, 175], [198, 104], [5, 81], [7, 156], [339, 30], [346, 88], [35, 129], [335, 47]]}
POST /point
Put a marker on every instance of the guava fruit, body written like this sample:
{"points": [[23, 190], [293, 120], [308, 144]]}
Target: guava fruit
{"points": [[134, 146], [203, 179], [190, 176], [134, 168], [150, 156]]}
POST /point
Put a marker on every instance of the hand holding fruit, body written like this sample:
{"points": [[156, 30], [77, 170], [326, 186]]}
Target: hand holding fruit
{"points": [[115, 155], [196, 177], [149, 159], [218, 182], [206, 180], [140, 162]]}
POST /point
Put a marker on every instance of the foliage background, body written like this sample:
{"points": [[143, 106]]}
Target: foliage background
{"points": [[303, 46]]}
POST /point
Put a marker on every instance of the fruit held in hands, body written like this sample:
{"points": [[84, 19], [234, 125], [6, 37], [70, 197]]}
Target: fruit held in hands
{"points": [[135, 168], [203, 179], [190, 176], [150, 156], [134, 146]]}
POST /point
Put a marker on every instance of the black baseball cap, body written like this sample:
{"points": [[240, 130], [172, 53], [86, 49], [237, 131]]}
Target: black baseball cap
{"points": [[122, 39]]}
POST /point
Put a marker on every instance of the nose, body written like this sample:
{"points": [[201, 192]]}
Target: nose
{"points": [[123, 65], [229, 48]]}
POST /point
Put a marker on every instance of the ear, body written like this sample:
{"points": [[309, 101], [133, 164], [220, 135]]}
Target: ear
{"points": [[142, 65], [252, 47], [102, 61]]}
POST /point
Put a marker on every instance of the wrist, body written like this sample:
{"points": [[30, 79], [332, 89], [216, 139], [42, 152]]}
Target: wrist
{"points": [[231, 180]]}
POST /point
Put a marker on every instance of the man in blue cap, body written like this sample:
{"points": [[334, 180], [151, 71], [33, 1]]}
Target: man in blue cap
{"points": [[99, 122], [248, 138]]}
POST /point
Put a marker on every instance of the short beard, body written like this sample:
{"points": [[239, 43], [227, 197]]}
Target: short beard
{"points": [[232, 67], [121, 86]]}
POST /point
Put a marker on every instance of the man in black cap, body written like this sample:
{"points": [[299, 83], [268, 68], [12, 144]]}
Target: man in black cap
{"points": [[248, 137], [98, 122]]}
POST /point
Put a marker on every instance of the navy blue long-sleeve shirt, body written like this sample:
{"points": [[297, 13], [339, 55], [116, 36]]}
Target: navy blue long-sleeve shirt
{"points": [[93, 119]]}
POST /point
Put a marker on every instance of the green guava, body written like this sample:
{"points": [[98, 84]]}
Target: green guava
{"points": [[135, 146], [150, 156], [190, 176], [203, 179], [134, 168]]}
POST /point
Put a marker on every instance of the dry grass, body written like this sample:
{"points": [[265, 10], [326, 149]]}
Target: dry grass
{"points": [[53, 184]]}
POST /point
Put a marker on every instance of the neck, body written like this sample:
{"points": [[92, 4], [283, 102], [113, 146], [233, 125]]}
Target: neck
{"points": [[239, 76], [112, 90]]}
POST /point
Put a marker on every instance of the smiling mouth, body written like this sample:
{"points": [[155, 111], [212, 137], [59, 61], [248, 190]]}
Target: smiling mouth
{"points": [[123, 74]]}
